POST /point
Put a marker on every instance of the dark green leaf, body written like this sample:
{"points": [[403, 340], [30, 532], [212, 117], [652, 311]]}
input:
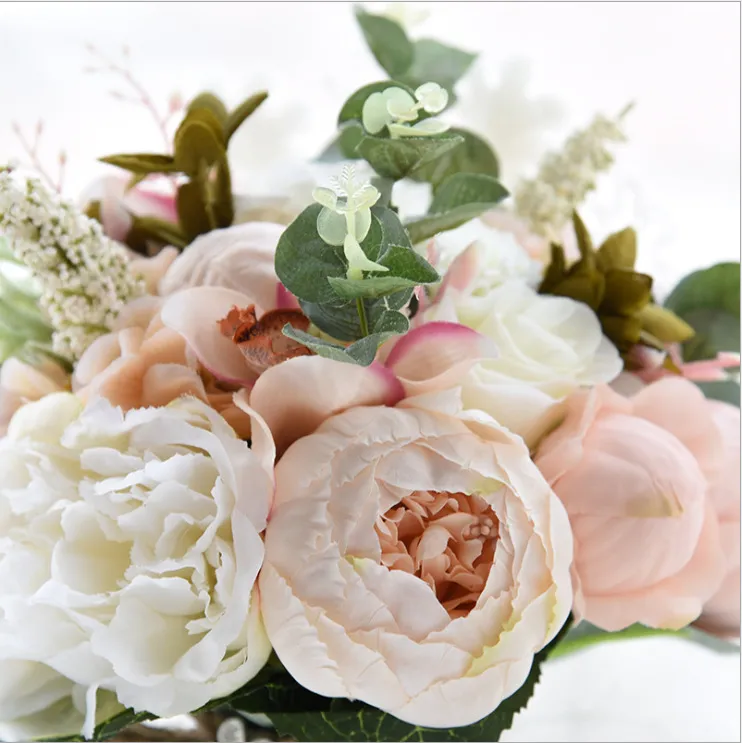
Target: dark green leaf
{"points": [[726, 391], [211, 102], [584, 635], [398, 158], [352, 109], [236, 117], [339, 322], [426, 227], [362, 352], [438, 63], [393, 231], [391, 321], [467, 188], [474, 156], [407, 264], [709, 301], [370, 288], [142, 164], [388, 42], [304, 261], [343, 147]]}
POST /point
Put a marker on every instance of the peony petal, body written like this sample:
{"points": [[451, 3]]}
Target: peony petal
{"points": [[285, 300], [296, 396], [195, 314], [437, 355]]}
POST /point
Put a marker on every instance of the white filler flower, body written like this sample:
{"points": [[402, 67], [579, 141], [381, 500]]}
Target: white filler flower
{"points": [[129, 546]]}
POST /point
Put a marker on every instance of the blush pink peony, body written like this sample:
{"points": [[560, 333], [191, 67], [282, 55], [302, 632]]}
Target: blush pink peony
{"points": [[634, 475], [415, 560]]}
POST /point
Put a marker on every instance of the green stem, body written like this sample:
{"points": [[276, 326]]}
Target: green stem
{"points": [[384, 186], [362, 316]]}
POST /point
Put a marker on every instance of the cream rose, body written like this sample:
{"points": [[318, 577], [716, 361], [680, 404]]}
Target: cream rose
{"points": [[130, 543], [548, 347], [415, 560]]}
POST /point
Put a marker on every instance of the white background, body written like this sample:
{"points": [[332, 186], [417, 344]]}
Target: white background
{"points": [[678, 179]]}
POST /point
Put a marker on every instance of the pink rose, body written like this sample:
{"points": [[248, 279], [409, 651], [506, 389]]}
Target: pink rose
{"points": [[634, 475], [21, 383], [117, 204], [721, 613]]}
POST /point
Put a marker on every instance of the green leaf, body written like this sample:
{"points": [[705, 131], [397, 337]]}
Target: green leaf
{"points": [[438, 63], [304, 261], [352, 109], [370, 288], [211, 102], [198, 143], [388, 42], [708, 300], [362, 352], [462, 189], [393, 231], [456, 189], [391, 321], [339, 321], [474, 156], [585, 635], [236, 118], [152, 228], [191, 209], [398, 158], [726, 391], [343, 147], [407, 264], [142, 164]]}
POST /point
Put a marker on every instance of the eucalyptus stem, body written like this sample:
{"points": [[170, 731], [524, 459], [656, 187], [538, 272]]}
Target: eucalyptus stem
{"points": [[362, 316]]}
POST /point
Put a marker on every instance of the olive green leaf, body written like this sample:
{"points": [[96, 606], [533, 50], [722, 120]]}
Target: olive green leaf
{"points": [[159, 230], [142, 163], [236, 117], [618, 250], [191, 209], [211, 102]]}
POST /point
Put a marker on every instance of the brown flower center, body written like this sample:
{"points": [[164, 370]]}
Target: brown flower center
{"points": [[446, 539]]}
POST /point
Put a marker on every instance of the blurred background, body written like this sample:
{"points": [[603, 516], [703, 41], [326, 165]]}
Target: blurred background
{"points": [[545, 68]]}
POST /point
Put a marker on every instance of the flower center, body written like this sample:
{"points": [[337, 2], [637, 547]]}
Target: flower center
{"points": [[446, 539]]}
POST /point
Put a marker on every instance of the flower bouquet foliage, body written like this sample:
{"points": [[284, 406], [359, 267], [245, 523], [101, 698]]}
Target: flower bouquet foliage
{"points": [[356, 471]]}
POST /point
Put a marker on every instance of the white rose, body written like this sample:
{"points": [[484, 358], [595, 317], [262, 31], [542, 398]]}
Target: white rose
{"points": [[484, 257], [548, 347], [129, 546], [415, 560]]}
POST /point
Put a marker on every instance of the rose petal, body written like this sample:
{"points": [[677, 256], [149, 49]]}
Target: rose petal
{"points": [[195, 313], [437, 355], [296, 396]]}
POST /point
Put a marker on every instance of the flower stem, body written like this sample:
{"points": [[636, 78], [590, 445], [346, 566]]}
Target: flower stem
{"points": [[362, 316]]}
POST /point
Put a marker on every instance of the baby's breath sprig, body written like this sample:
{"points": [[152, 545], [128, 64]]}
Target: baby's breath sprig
{"points": [[566, 177], [84, 276]]}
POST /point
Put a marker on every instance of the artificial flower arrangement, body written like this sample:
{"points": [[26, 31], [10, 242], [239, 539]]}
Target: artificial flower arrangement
{"points": [[355, 473]]}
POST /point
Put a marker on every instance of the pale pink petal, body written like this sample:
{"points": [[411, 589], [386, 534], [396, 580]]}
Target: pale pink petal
{"points": [[437, 355], [298, 395], [195, 314], [285, 300], [153, 269], [462, 270]]}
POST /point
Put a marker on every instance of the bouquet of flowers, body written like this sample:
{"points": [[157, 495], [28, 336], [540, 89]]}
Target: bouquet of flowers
{"points": [[354, 471]]}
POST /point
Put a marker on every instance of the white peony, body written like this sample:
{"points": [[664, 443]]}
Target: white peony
{"points": [[129, 546], [548, 347], [492, 256]]}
